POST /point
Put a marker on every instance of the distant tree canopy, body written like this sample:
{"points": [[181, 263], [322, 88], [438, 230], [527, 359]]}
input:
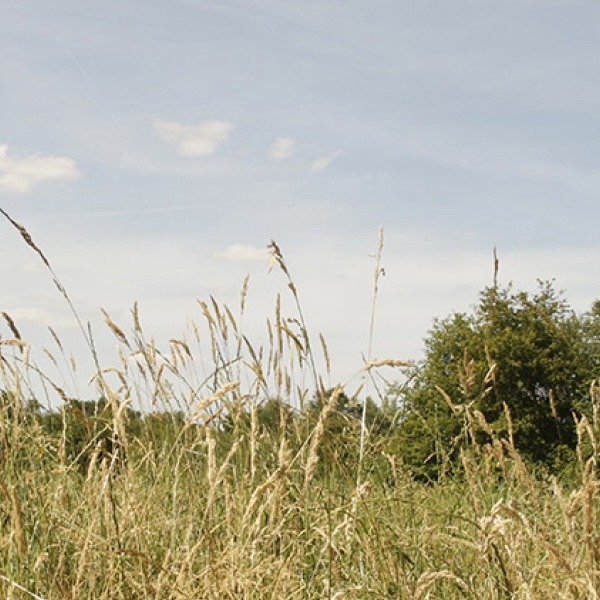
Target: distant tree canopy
{"points": [[525, 361], [529, 353]]}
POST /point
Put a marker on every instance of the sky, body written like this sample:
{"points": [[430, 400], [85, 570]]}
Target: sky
{"points": [[153, 149]]}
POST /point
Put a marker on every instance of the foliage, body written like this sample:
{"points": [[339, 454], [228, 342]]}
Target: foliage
{"points": [[524, 361]]}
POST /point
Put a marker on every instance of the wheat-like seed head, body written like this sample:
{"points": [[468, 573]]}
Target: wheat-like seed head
{"points": [[387, 362], [429, 578], [116, 330], [56, 338], [11, 325], [313, 455], [206, 403]]}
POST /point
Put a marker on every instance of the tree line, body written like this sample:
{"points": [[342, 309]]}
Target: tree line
{"points": [[524, 364]]}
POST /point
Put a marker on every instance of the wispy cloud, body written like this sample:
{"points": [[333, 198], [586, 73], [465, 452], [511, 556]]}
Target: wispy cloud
{"points": [[41, 315], [21, 174], [324, 161], [281, 148], [194, 140], [241, 252], [469, 150]]}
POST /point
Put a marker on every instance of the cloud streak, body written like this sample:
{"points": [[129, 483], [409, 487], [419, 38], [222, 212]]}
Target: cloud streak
{"points": [[22, 174], [323, 162], [282, 148], [194, 140], [241, 252], [41, 315]]}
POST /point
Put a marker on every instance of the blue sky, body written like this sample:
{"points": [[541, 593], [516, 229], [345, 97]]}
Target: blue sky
{"points": [[153, 149]]}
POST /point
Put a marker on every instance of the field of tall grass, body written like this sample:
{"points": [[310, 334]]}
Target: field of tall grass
{"points": [[182, 486]]}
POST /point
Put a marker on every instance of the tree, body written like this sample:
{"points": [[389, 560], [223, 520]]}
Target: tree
{"points": [[591, 338], [524, 352]]}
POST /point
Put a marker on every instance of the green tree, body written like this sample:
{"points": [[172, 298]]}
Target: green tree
{"points": [[591, 338], [526, 352]]}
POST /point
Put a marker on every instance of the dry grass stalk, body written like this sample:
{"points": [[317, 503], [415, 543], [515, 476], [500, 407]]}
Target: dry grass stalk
{"points": [[14, 342], [595, 398], [50, 356], [255, 365], [455, 408], [11, 325], [231, 320], [182, 348], [509, 424], [467, 375], [583, 428], [479, 416], [589, 489], [253, 440], [377, 274], [521, 469], [116, 330], [387, 362], [14, 584], [348, 523], [206, 403], [56, 338], [428, 579], [276, 476], [496, 450], [325, 354], [276, 258], [27, 237], [317, 434], [215, 476], [278, 321], [17, 518], [86, 332]]}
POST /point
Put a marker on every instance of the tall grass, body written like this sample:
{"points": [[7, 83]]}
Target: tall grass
{"points": [[202, 498]]}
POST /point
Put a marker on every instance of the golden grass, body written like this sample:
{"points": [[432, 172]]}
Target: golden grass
{"points": [[201, 514], [216, 504]]}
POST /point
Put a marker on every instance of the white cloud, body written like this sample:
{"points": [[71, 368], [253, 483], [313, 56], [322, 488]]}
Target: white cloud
{"points": [[194, 140], [43, 316], [242, 252], [282, 147], [21, 174], [324, 161]]}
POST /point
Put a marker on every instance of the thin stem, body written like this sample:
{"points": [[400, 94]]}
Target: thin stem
{"points": [[378, 272]]}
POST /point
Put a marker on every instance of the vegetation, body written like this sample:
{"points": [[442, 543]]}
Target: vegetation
{"points": [[525, 362], [243, 482]]}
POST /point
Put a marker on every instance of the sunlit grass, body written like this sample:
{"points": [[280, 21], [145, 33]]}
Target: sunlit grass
{"points": [[239, 480]]}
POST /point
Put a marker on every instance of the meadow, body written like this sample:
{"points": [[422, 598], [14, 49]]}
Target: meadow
{"points": [[240, 476]]}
